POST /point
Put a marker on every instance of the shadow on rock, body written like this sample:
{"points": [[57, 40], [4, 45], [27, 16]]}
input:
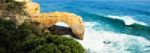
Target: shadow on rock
{"points": [[61, 30]]}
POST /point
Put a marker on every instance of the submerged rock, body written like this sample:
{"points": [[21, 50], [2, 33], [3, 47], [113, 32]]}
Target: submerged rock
{"points": [[107, 42]]}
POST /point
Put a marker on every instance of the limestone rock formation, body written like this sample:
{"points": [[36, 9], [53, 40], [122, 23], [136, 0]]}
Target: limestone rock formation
{"points": [[74, 22], [32, 8], [12, 10], [47, 20]]}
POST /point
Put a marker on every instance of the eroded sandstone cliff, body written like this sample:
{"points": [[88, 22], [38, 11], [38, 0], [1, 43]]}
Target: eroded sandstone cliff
{"points": [[49, 19]]}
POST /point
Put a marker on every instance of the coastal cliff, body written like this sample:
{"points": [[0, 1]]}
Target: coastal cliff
{"points": [[23, 29], [31, 11]]}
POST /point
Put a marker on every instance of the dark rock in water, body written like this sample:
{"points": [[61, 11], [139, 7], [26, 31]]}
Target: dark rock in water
{"points": [[107, 42], [61, 30]]}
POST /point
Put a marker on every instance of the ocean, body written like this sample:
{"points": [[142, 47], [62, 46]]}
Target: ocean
{"points": [[111, 26]]}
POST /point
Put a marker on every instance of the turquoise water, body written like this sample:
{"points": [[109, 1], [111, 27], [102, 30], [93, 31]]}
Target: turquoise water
{"points": [[126, 25]]}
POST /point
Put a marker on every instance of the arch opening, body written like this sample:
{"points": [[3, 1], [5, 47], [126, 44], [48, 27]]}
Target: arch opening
{"points": [[61, 24], [60, 28]]}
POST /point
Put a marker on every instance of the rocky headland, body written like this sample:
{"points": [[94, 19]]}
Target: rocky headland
{"points": [[31, 12], [23, 29]]}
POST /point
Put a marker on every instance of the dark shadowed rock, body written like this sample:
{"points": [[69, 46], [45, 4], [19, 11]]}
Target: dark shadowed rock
{"points": [[61, 30], [107, 42]]}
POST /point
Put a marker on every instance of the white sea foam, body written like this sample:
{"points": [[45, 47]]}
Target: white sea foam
{"points": [[128, 20], [114, 42], [62, 24]]}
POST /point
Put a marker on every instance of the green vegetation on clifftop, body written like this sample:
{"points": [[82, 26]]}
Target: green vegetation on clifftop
{"points": [[27, 38]]}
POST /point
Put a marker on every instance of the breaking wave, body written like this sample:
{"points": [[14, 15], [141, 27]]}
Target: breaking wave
{"points": [[100, 41], [128, 20]]}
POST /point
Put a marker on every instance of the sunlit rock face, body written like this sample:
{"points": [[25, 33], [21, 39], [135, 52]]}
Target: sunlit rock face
{"points": [[73, 21], [32, 8], [49, 19], [26, 1]]}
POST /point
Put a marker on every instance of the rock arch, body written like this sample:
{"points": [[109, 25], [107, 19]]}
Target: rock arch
{"points": [[73, 21], [49, 19]]}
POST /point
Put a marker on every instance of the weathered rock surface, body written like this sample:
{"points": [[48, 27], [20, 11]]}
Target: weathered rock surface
{"points": [[32, 8], [11, 10], [73, 21], [49, 19]]}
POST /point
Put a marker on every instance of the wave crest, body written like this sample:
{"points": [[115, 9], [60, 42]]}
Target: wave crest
{"points": [[128, 20], [110, 42]]}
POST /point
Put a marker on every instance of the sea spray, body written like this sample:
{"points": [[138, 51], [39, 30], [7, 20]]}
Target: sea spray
{"points": [[128, 20], [110, 42]]}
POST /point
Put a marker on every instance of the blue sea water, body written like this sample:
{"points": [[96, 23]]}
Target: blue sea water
{"points": [[125, 25]]}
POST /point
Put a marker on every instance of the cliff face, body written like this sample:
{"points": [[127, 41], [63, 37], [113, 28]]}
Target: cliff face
{"points": [[32, 8], [12, 10], [49, 19], [74, 22]]}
